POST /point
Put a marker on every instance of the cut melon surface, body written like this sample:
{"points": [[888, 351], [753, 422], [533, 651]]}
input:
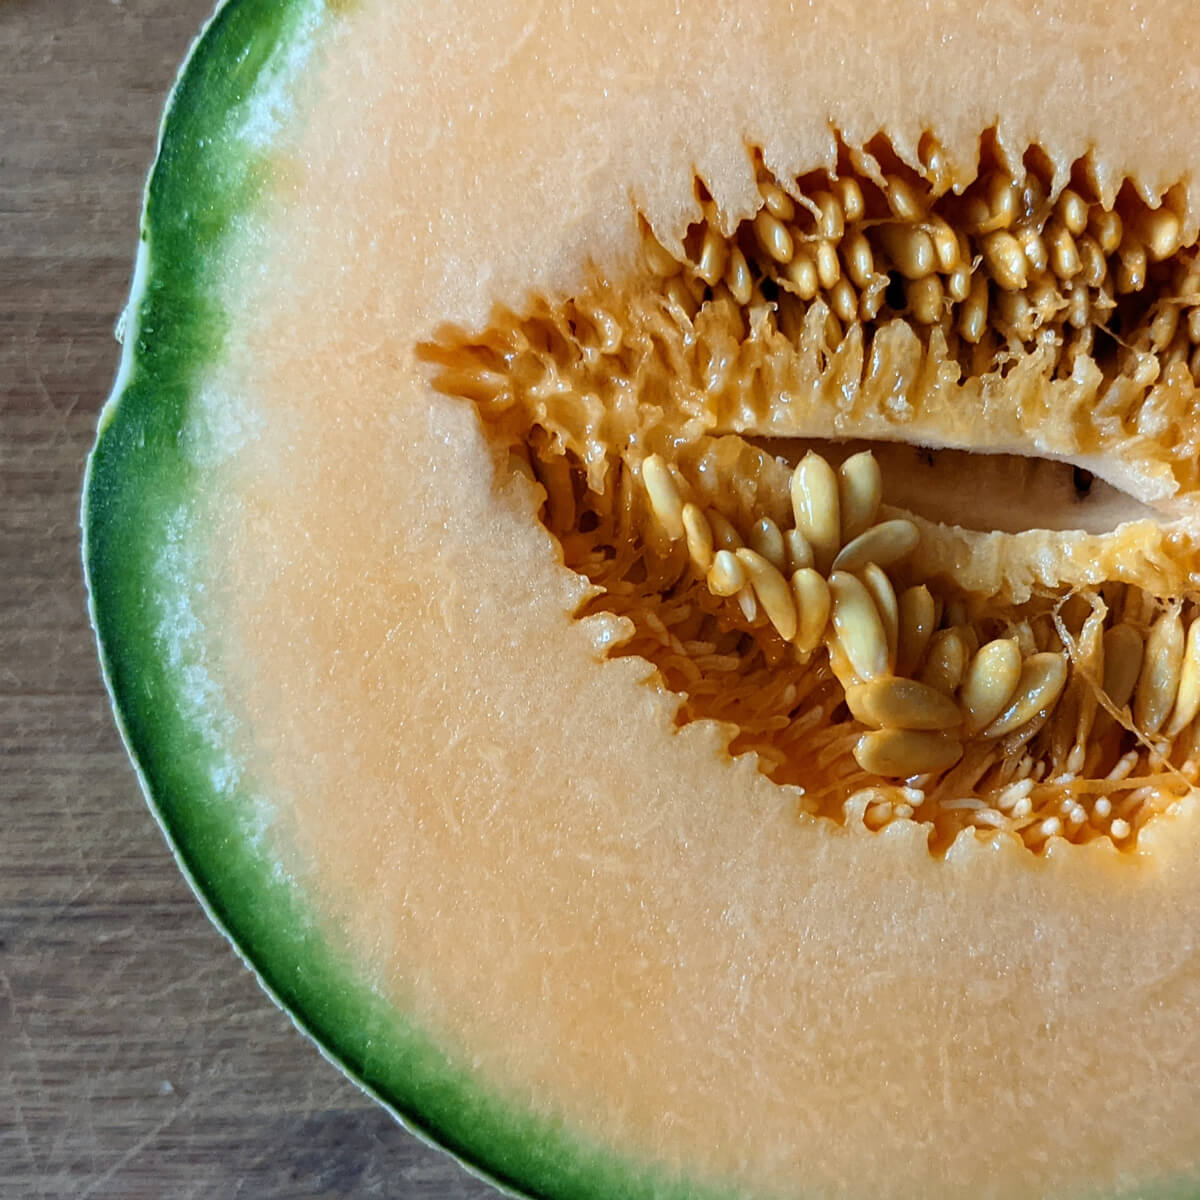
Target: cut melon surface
{"points": [[429, 771]]}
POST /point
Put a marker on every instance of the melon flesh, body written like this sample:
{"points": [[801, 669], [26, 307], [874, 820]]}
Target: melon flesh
{"points": [[605, 924]]}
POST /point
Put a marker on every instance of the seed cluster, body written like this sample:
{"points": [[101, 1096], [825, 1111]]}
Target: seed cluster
{"points": [[785, 602]]}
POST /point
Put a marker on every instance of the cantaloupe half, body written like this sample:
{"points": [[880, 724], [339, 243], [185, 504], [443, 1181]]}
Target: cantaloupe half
{"points": [[463, 338]]}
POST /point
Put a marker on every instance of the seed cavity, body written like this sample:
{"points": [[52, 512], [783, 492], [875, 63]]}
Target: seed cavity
{"points": [[780, 593]]}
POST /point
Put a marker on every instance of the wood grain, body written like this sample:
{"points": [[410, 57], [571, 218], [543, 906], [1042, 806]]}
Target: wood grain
{"points": [[138, 1058]]}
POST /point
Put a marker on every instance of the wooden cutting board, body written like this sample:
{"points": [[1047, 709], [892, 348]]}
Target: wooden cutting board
{"points": [[138, 1058]]}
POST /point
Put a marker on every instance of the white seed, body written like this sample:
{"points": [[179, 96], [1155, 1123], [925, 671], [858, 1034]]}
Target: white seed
{"points": [[1043, 677], [946, 661], [925, 299], [799, 552], [699, 535], [859, 260], [725, 537], [1120, 829], [813, 606], [918, 618], [1187, 701], [1159, 229], [773, 236], [1122, 663], [1005, 260], [778, 202], [727, 576], [989, 683], [802, 273], [885, 543], [910, 250], [858, 625], [664, 496], [713, 256], [816, 508], [860, 490], [875, 580], [850, 197], [772, 592], [902, 753], [903, 199], [767, 540], [1073, 211], [891, 702], [1158, 683], [737, 276]]}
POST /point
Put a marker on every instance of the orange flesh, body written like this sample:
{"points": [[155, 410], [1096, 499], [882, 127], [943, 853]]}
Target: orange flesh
{"points": [[671, 957]]}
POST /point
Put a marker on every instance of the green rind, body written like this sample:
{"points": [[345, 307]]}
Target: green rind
{"points": [[139, 473]]}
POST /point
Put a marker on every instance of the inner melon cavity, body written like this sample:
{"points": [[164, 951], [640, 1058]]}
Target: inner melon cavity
{"points": [[1038, 677]]}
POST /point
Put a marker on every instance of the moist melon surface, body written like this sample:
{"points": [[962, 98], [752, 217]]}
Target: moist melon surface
{"points": [[600, 861]]}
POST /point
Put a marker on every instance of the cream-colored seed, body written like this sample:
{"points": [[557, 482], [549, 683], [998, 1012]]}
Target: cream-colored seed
{"points": [[1064, 254], [829, 270], [772, 592], [903, 198], [1042, 679], [664, 495], [831, 223], [925, 299], [1034, 246], [945, 245], [680, 295], [802, 273], [850, 197], [1003, 199], [918, 618], [1164, 325], [891, 702], [778, 202], [1131, 273], [725, 536], [748, 603], [727, 576], [1120, 829], [1073, 211], [885, 543], [876, 580], [902, 753], [1107, 228], [973, 314], [910, 250], [843, 299], [859, 626], [1005, 260], [766, 539], [989, 683], [1161, 232], [713, 256], [737, 276], [659, 259], [1093, 263], [958, 285], [859, 260], [816, 508], [1194, 326], [773, 236], [1162, 664], [813, 606], [799, 552], [946, 661], [699, 535], [1187, 699], [860, 491]]}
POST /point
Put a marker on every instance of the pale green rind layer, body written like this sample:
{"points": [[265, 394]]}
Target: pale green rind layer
{"points": [[206, 173]]}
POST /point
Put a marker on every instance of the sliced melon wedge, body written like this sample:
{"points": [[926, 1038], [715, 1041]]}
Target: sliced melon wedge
{"points": [[404, 670]]}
